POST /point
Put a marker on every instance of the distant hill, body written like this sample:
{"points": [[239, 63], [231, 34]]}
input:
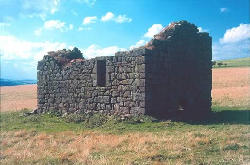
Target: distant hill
{"points": [[7, 82], [239, 62]]}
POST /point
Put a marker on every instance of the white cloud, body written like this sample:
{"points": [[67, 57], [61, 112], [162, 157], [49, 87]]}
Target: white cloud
{"points": [[4, 24], [231, 50], [89, 20], [38, 31], [223, 10], [95, 51], [13, 48], [138, 44], [153, 30], [25, 55], [202, 30], [109, 16], [71, 26], [88, 2], [234, 44], [35, 8], [19, 57], [84, 28], [39, 7], [122, 19], [80, 29], [236, 34], [54, 24]]}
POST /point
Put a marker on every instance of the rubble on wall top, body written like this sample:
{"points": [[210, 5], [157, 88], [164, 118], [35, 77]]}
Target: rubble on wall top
{"points": [[175, 27], [64, 56], [134, 52]]}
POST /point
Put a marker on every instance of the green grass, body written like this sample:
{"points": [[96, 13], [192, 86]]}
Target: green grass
{"points": [[51, 123], [239, 62], [11, 121], [220, 116]]}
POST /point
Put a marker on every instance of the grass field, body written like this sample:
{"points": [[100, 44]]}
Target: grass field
{"points": [[240, 62], [16, 98], [48, 139], [231, 87]]}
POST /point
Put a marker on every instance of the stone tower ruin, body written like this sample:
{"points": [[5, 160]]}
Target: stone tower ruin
{"points": [[172, 72]]}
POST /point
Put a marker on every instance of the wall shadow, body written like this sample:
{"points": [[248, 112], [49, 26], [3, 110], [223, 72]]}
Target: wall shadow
{"points": [[215, 117], [230, 117]]}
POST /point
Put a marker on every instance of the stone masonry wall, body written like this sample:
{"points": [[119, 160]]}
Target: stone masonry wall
{"points": [[172, 72], [73, 88]]}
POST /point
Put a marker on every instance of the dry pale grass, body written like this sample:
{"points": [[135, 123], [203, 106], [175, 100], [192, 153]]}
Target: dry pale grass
{"points": [[16, 98], [231, 87], [27, 147]]}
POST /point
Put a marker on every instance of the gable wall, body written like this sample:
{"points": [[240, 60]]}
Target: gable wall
{"points": [[179, 73]]}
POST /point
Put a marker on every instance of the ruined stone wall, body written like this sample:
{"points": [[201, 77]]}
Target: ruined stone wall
{"points": [[179, 71], [170, 73], [74, 89]]}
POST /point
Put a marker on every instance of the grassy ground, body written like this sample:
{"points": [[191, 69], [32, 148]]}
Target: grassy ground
{"points": [[48, 139], [222, 139], [240, 62]]}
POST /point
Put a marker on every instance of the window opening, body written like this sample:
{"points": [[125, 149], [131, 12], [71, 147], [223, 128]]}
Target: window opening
{"points": [[101, 73]]}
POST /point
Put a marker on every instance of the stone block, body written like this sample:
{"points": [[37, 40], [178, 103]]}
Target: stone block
{"points": [[127, 94]]}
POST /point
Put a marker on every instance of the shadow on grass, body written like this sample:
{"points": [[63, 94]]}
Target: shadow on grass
{"points": [[221, 117], [230, 117]]}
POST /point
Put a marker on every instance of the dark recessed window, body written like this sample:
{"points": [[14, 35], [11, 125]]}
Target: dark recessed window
{"points": [[101, 73]]}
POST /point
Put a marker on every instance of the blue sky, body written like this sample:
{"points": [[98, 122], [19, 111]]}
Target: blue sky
{"points": [[30, 28]]}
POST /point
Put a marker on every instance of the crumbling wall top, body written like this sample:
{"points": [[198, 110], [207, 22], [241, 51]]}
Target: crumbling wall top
{"points": [[64, 57], [174, 29], [141, 51]]}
